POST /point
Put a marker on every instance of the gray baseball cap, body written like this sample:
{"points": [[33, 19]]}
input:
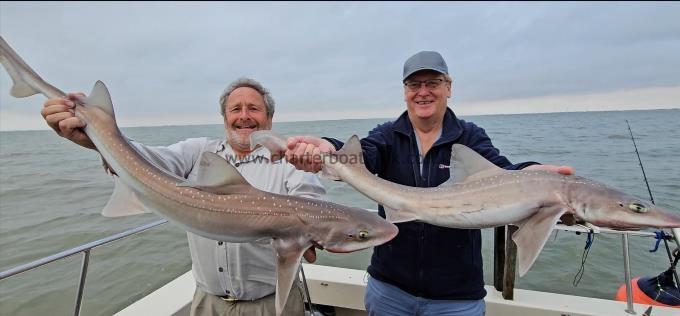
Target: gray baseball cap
{"points": [[425, 60]]}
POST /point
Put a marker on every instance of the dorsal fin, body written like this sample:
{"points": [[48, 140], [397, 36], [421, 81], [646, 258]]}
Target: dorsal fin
{"points": [[352, 149], [350, 154], [218, 176], [468, 165], [101, 98]]}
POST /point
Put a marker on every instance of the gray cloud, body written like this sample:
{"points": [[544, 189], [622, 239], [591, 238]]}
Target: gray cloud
{"points": [[162, 58]]}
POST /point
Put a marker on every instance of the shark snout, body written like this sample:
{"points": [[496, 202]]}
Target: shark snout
{"points": [[668, 219], [652, 217]]}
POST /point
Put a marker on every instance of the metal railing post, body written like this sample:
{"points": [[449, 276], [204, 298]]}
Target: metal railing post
{"points": [[630, 309], [304, 284], [81, 282]]}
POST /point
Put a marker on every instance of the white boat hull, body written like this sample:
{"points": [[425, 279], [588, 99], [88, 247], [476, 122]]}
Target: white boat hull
{"points": [[344, 289]]}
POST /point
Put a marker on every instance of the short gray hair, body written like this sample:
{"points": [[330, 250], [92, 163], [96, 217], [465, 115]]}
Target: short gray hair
{"points": [[249, 83]]}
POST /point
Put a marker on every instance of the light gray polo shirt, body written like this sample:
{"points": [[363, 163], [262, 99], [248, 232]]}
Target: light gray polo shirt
{"points": [[246, 271]]}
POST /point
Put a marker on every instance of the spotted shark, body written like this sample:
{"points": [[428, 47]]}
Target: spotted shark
{"points": [[479, 194], [220, 204]]}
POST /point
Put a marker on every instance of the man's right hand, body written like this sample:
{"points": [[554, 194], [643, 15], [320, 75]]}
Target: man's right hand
{"points": [[304, 152], [60, 116]]}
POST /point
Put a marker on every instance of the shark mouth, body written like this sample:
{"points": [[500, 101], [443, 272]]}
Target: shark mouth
{"points": [[316, 244]]}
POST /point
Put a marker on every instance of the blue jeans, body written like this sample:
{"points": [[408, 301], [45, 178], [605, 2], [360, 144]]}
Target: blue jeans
{"points": [[385, 299]]}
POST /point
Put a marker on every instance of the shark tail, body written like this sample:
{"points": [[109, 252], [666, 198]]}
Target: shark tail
{"points": [[270, 140], [26, 81]]}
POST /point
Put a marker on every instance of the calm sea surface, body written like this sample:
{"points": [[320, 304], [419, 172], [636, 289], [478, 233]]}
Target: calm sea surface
{"points": [[51, 193]]}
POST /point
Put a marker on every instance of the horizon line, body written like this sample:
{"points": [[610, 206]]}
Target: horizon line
{"points": [[370, 118]]}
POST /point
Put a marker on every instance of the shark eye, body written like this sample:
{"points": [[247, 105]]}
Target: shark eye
{"points": [[637, 208], [363, 235]]}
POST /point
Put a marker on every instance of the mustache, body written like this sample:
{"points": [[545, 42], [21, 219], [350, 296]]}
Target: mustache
{"points": [[244, 122]]}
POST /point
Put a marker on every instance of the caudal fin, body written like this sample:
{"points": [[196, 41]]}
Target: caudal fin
{"points": [[26, 81], [270, 140]]}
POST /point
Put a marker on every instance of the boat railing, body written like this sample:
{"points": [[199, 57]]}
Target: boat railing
{"points": [[85, 249], [505, 253], [88, 247]]}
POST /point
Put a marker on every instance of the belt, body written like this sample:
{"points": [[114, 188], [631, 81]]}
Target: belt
{"points": [[228, 298]]}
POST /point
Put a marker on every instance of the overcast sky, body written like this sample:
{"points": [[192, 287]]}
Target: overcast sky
{"points": [[167, 63]]}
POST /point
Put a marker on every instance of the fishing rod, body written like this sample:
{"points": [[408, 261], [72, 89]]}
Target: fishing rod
{"points": [[675, 231]]}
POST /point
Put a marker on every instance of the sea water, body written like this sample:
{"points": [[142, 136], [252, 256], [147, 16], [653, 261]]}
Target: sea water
{"points": [[52, 192]]}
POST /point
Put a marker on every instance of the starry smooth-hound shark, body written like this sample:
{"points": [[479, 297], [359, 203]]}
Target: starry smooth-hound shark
{"points": [[480, 194], [220, 204]]}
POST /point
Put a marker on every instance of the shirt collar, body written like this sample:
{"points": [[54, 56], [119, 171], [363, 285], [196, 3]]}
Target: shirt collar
{"points": [[224, 149]]}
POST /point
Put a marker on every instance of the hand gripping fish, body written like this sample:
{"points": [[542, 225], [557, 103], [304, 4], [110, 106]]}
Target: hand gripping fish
{"points": [[479, 194], [220, 205]]}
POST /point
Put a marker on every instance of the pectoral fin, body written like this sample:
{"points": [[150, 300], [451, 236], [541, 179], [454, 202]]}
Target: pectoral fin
{"points": [[123, 201], [533, 233], [288, 255]]}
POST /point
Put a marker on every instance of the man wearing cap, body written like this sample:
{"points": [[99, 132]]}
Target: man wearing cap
{"points": [[425, 269]]}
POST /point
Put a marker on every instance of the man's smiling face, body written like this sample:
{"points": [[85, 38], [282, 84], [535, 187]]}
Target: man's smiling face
{"points": [[245, 113], [428, 96]]}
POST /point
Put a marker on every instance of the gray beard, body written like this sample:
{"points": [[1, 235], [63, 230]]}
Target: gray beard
{"points": [[235, 139]]}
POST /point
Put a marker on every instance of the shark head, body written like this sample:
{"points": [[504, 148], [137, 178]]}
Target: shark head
{"points": [[359, 230], [608, 207]]}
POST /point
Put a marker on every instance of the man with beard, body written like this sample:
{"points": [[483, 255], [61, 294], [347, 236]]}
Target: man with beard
{"points": [[231, 278]]}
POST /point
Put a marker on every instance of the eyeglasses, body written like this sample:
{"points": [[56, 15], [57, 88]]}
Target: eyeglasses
{"points": [[430, 84]]}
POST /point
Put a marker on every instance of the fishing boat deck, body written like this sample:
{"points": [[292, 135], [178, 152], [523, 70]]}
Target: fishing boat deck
{"points": [[344, 289]]}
